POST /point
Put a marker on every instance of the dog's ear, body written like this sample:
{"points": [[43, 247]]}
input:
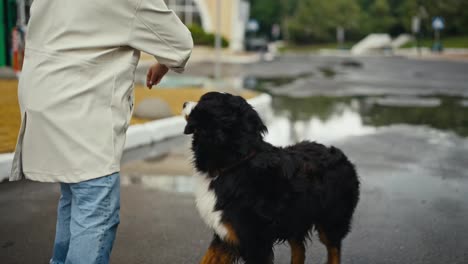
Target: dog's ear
{"points": [[254, 122]]}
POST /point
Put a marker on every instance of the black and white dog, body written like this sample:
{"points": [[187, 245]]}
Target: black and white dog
{"points": [[253, 194]]}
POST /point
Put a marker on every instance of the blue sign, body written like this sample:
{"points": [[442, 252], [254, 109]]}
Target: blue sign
{"points": [[438, 23], [253, 25]]}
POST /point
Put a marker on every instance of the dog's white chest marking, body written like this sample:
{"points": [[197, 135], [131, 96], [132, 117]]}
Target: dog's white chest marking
{"points": [[206, 201]]}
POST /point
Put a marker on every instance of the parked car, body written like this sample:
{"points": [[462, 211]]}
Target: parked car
{"points": [[256, 44]]}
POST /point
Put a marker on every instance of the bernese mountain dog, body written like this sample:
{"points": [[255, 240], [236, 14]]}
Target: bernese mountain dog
{"points": [[254, 195]]}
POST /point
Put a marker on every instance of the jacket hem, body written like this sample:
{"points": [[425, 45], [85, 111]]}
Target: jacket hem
{"points": [[68, 178]]}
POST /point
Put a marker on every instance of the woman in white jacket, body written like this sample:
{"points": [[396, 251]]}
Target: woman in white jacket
{"points": [[76, 99]]}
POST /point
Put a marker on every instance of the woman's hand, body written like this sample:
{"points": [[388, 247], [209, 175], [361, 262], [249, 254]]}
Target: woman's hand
{"points": [[155, 74]]}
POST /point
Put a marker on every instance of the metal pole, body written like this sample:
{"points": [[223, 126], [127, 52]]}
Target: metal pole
{"points": [[418, 43], [21, 12], [217, 70]]}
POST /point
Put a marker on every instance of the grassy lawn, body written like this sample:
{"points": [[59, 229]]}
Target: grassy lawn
{"points": [[448, 42], [314, 47]]}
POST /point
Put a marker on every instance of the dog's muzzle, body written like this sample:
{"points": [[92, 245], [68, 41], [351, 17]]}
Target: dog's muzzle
{"points": [[187, 109]]}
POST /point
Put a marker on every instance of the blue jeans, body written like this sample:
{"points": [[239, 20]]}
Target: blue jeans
{"points": [[87, 220]]}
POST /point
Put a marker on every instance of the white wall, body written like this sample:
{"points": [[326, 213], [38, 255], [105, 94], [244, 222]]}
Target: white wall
{"points": [[239, 22]]}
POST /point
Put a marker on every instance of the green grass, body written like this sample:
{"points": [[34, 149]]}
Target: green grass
{"points": [[314, 47], [448, 42]]}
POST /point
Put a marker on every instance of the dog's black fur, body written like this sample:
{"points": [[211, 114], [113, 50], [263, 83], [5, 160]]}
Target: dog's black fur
{"points": [[269, 194]]}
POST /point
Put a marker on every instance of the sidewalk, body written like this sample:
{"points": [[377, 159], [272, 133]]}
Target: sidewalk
{"points": [[7, 73]]}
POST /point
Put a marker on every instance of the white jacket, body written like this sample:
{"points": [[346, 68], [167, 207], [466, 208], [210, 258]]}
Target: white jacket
{"points": [[76, 88]]}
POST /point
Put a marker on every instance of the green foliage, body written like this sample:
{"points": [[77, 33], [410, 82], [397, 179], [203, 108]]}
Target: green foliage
{"points": [[380, 16], [200, 37], [315, 21], [455, 13], [267, 13]]}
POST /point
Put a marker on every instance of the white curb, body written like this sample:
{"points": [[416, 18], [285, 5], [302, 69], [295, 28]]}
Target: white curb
{"points": [[151, 132], [5, 165]]}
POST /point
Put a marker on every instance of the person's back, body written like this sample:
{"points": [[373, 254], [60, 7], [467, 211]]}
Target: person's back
{"points": [[76, 99], [89, 26], [67, 25], [78, 78]]}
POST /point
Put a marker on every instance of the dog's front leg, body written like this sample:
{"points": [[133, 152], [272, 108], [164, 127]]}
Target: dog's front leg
{"points": [[219, 252], [297, 251], [333, 247]]}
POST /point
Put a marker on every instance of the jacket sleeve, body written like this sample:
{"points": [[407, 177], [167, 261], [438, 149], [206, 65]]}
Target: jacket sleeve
{"points": [[158, 31]]}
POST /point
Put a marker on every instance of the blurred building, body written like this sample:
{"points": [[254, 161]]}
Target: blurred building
{"points": [[234, 17]]}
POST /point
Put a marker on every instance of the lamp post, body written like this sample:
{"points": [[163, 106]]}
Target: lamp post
{"points": [[416, 28], [438, 25], [217, 69], [21, 12]]}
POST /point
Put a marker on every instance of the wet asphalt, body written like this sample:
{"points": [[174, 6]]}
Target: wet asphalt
{"points": [[413, 207]]}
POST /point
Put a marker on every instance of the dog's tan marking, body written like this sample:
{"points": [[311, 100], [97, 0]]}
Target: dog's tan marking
{"points": [[334, 253], [231, 236], [322, 236], [217, 255], [297, 252]]}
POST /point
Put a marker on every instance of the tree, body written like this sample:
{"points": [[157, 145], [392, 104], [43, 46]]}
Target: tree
{"points": [[381, 19], [267, 13], [306, 21], [455, 13], [317, 20]]}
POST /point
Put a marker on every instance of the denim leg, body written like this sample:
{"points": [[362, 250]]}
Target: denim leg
{"points": [[94, 220], [62, 232]]}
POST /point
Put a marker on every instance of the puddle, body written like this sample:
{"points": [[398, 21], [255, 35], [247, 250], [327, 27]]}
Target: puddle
{"points": [[332, 118], [328, 72], [168, 183], [352, 64], [263, 83]]}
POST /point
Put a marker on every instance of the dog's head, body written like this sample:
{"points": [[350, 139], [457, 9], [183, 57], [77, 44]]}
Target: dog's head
{"points": [[224, 128], [222, 116]]}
